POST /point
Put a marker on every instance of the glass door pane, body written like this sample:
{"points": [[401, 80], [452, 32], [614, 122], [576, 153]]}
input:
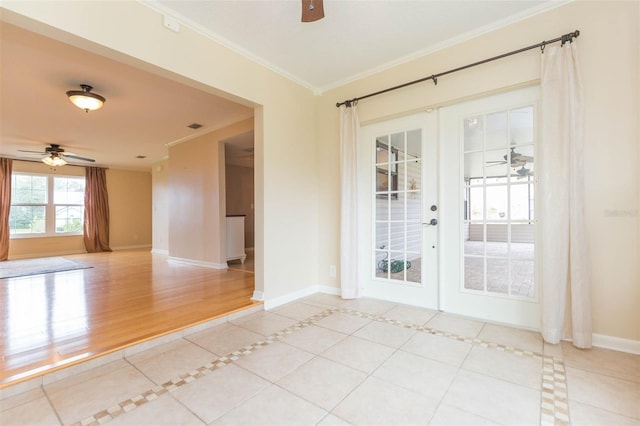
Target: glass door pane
{"points": [[398, 212], [498, 202]]}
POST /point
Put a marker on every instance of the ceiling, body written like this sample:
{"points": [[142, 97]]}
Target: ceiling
{"points": [[356, 37], [239, 150], [145, 112]]}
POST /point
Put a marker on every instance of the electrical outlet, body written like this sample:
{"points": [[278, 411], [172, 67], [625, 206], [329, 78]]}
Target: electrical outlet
{"points": [[332, 271]]}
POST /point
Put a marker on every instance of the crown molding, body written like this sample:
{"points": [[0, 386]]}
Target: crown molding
{"points": [[194, 26], [320, 90], [449, 43]]}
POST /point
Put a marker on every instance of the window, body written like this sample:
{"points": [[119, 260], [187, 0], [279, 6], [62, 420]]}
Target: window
{"points": [[46, 205]]}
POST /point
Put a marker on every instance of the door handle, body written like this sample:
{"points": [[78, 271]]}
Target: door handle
{"points": [[432, 222]]}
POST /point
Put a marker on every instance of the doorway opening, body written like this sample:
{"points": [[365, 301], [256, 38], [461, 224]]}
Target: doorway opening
{"points": [[240, 207]]}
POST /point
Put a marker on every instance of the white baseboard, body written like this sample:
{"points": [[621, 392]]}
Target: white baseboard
{"points": [[257, 295], [616, 343], [281, 300], [142, 246], [336, 291], [50, 254], [70, 252], [160, 251], [192, 262]]}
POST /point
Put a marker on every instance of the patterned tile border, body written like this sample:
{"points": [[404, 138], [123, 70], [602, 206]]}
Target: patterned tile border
{"points": [[554, 400], [554, 403], [171, 385]]}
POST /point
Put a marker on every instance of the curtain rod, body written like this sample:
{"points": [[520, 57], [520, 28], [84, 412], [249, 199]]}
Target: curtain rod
{"points": [[564, 38]]}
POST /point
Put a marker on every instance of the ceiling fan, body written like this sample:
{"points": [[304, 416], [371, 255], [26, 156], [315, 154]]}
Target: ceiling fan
{"points": [[524, 172], [517, 159], [55, 155]]}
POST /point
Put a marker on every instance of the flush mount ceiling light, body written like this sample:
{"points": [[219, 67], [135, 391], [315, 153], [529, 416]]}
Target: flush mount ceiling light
{"points": [[54, 160], [85, 99]]}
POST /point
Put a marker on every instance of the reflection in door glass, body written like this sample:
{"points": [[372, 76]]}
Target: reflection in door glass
{"points": [[499, 196], [473, 133], [398, 215], [496, 130]]}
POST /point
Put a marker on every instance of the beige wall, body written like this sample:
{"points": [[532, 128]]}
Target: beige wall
{"points": [[608, 47], [197, 217], [129, 210], [239, 189], [160, 203]]}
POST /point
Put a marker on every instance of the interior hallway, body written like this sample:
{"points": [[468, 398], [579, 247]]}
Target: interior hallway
{"points": [[327, 361], [59, 319], [249, 264]]}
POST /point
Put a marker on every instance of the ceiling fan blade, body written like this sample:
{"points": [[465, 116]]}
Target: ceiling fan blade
{"points": [[312, 10], [75, 157], [33, 152]]}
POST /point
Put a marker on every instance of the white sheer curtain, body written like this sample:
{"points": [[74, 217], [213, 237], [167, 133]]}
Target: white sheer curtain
{"points": [[349, 127], [565, 263]]}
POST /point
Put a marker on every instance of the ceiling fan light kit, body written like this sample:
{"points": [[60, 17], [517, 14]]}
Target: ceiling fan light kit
{"points": [[54, 161], [54, 156], [85, 99]]}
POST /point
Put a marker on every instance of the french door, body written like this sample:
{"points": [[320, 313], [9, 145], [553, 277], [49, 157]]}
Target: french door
{"points": [[447, 209], [397, 190], [488, 195]]}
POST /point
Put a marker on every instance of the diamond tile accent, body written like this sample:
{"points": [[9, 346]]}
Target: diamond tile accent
{"points": [[554, 401]]}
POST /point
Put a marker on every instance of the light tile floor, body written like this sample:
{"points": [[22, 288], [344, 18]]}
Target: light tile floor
{"points": [[326, 361]]}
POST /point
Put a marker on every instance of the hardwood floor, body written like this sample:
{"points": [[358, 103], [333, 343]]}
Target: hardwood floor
{"points": [[54, 320]]}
